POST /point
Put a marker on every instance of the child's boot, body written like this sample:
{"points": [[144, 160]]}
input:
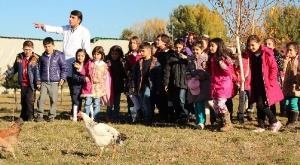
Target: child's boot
{"points": [[227, 122], [219, 121], [249, 114], [240, 117], [289, 116], [294, 116]]}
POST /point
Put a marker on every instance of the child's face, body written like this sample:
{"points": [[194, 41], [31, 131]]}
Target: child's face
{"points": [[133, 45], [178, 48], [197, 50], [145, 52], [27, 51], [114, 55], [205, 44], [97, 56], [291, 51], [213, 47], [80, 56], [270, 44], [253, 46], [153, 49], [49, 48], [191, 40]]}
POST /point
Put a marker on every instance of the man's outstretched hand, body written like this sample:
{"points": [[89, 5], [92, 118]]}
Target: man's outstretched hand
{"points": [[38, 25]]}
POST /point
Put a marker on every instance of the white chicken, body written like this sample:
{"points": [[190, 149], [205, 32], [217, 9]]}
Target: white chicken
{"points": [[103, 134]]}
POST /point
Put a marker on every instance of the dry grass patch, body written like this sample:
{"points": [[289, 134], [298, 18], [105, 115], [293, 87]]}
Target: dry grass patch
{"points": [[65, 142]]}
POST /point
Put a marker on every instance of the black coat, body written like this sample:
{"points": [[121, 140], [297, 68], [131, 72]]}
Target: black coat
{"points": [[77, 81], [174, 72], [118, 75], [163, 56]]}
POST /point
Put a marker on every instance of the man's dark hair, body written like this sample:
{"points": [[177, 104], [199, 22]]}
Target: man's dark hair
{"points": [[48, 40], [28, 43], [78, 14], [179, 41], [145, 45]]}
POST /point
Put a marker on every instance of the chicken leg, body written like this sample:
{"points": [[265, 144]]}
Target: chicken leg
{"points": [[11, 150], [114, 151], [101, 151]]}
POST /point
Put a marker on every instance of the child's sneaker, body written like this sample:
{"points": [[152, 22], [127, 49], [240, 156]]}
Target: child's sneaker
{"points": [[259, 130], [51, 119], [39, 119], [199, 126], [275, 127]]}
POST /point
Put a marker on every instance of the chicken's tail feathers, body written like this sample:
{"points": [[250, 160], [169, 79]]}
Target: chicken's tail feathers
{"points": [[8, 141], [121, 138]]}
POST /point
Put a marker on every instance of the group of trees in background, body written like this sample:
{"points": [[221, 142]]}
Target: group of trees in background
{"points": [[226, 19], [198, 19], [283, 23], [147, 30], [185, 18]]}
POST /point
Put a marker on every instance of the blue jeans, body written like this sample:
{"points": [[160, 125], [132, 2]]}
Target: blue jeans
{"points": [[96, 109], [200, 112], [114, 114], [145, 99], [291, 103], [132, 108]]}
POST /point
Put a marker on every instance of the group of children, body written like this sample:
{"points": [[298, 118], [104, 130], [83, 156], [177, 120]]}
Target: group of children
{"points": [[198, 76]]}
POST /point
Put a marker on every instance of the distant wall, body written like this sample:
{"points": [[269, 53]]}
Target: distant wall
{"points": [[10, 47]]}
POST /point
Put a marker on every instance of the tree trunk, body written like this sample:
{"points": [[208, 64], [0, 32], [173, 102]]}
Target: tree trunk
{"points": [[242, 98], [242, 77]]}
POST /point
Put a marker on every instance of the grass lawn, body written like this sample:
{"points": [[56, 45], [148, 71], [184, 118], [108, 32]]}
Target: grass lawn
{"points": [[66, 142]]}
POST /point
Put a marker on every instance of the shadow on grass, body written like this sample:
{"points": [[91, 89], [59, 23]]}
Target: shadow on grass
{"points": [[64, 115], [9, 118], [77, 153], [180, 125], [5, 110]]}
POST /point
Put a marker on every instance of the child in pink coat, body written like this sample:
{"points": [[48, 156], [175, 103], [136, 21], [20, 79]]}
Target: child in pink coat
{"points": [[265, 89], [221, 69]]}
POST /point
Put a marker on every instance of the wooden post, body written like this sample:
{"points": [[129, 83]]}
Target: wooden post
{"points": [[16, 105]]}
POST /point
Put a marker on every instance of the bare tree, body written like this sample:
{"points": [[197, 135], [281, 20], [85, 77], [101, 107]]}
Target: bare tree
{"points": [[153, 27], [137, 28], [149, 29]]}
